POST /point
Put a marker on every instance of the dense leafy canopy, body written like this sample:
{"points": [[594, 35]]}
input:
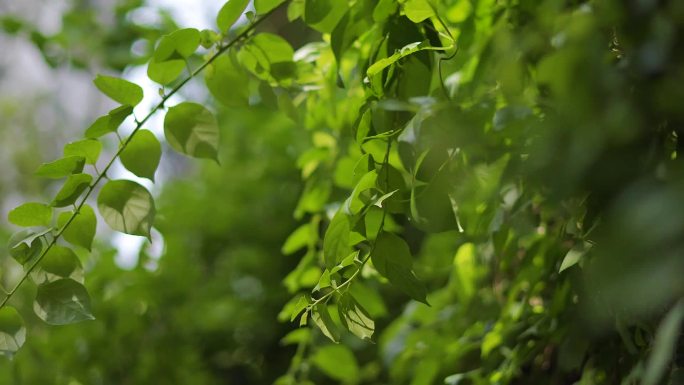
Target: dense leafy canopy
{"points": [[490, 189]]}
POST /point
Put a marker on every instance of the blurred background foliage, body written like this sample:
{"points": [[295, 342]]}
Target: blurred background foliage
{"points": [[563, 264]]}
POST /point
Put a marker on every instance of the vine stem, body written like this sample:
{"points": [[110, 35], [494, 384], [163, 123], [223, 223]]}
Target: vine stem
{"points": [[101, 175], [349, 280]]}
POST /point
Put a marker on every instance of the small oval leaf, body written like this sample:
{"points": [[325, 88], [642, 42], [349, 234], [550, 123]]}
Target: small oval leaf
{"points": [[127, 207], [230, 13], [142, 154], [61, 168], [72, 189], [88, 148], [81, 230], [31, 214], [119, 90]]}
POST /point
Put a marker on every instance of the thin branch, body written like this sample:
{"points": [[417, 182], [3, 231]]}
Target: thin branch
{"points": [[244, 34]]}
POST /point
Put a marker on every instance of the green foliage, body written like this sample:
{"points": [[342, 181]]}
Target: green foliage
{"points": [[12, 331], [31, 214], [119, 90], [192, 130], [127, 207], [521, 159], [142, 154]]}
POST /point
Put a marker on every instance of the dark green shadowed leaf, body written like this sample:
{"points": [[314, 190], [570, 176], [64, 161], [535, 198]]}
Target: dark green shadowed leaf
{"points": [[12, 331], [26, 245], [142, 154], [72, 189], [119, 90], [392, 259], [61, 168], [127, 207], [230, 13], [31, 214], [321, 317], [108, 123], [336, 241], [62, 302], [337, 362], [88, 148], [59, 262], [82, 229], [355, 318], [664, 346], [192, 130]]}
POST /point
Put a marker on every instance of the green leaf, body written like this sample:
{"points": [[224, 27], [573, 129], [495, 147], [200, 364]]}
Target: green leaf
{"points": [[119, 90], [192, 130], [31, 214], [165, 72], [383, 10], [61, 168], [179, 44], [392, 259], [12, 331], [59, 262], [62, 302], [230, 13], [263, 6], [142, 154], [127, 207], [228, 82], [72, 189], [407, 50], [26, 245], [336, 241], [664, 345], [321, 317], [269, 57], [299, 238], [108, 123], [168, 60], [355, 318], [337, 362], [82, 229], [571, 258], [299, 306], [418, 10], [88, 148], [323, 15], [353, 204], [208, 38]]}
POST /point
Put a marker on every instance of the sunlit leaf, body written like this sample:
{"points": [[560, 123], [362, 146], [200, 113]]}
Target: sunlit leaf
{"points": [[82, 228], [229, 14], [142, 154], [127, 207], [31, 214], [88, 148], [321, 317], [337, 362], [192, 130], [119, 90], [61, 168], [74, 186], [355, 318]]}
